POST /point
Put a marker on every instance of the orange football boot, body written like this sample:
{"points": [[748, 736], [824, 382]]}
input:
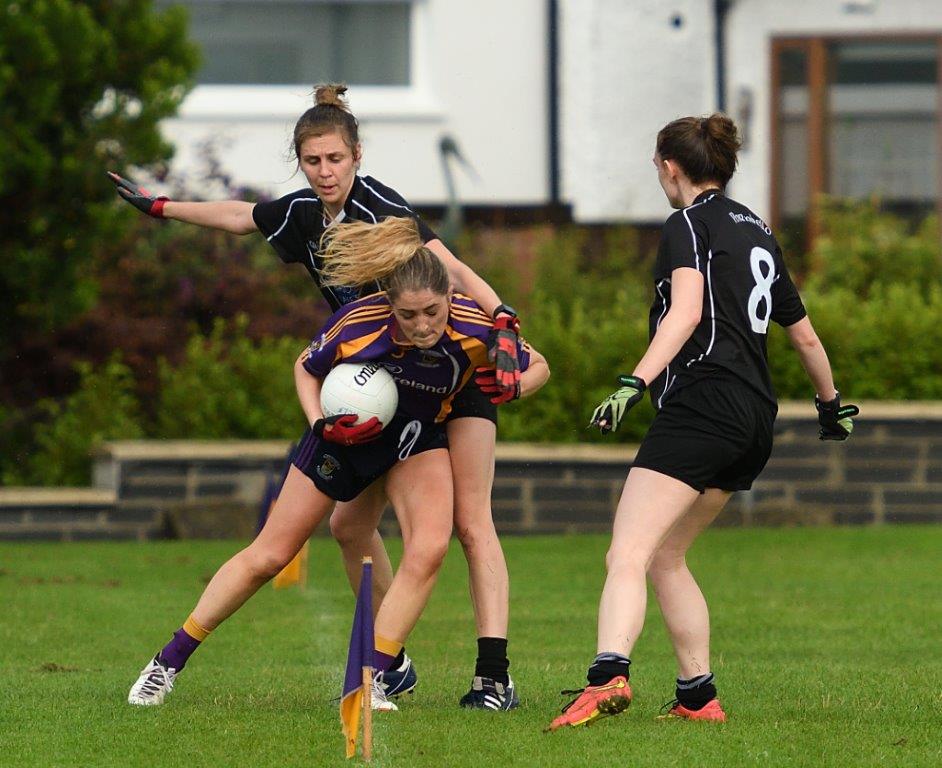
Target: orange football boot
{"points": [[711, 711], [595, 702]]}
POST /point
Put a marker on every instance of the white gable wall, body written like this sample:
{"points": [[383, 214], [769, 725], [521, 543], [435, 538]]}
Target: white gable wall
{"points": [[627, 70]]}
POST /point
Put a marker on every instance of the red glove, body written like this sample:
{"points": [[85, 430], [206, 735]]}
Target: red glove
{"points": [[343, 429], [486, 379], [502, 351], [139, 197]]}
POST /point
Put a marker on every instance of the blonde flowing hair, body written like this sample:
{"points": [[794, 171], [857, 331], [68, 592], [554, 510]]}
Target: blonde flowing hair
{"points": [[390, 252]]}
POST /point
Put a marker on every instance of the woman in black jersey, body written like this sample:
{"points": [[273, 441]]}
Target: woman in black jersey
{"points": [[327, 147], [719, 279]]}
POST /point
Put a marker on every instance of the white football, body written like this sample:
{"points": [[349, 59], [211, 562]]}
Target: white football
{"points": [[365, 389]]}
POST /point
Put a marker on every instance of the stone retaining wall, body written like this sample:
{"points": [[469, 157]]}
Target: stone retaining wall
{"points": [[889, 472]]}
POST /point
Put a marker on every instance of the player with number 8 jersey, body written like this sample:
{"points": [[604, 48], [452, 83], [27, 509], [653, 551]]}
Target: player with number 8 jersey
{"points": [[719, 279], [746, 284]]}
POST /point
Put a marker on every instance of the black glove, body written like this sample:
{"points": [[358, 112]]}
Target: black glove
{"points": [[502, 349], [139, 197], [613, 408], [343, 429], [836, 420]]}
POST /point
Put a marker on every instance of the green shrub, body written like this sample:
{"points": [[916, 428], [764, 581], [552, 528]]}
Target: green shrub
{"points": [[886, 347], [874, 294], [862, 247], [588, 315], [229, 386], [84, 85], [104, 407]]}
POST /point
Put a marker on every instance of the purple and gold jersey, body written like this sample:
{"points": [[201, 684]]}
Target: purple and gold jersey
{"points": [[427, 379]]}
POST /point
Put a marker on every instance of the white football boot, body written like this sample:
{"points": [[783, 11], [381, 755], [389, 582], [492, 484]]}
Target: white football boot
{"points": [[154, 683], [378, 700]]}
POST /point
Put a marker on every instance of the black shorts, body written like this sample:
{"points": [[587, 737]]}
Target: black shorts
{"points": [[471, 401], [714, 433], [343, 472]]}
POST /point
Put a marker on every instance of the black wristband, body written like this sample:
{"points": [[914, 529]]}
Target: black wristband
{"points": [[632, 381], [504, 309]]}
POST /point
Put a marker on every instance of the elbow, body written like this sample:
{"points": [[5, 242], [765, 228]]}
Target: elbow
{"points": [[690, 320], [806, 340], [300, 372]]}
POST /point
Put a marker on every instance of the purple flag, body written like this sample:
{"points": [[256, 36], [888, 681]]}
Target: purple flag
{"points": [[360, 655]]}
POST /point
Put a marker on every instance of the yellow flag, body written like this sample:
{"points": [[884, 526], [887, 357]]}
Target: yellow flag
{"points": [[294, 572]]}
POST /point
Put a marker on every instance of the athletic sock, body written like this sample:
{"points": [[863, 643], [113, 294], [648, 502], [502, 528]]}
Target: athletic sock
{"points": [[385, 653], [181, 646], [399, 660], [492, 659], [696, 692], [606, 666]]}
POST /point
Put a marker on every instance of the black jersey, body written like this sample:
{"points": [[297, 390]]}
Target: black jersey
{"points": [[294, 224], [746, 284]]}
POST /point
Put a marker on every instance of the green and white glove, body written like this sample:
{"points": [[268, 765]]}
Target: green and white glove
{"points": [[836, 420], [613, 408]]}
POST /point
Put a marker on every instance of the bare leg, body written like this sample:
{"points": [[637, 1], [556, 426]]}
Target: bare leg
{"points": [[353, 525], [651, 503], [682, 604], [471, 446], [421, 493], [298, 511]]}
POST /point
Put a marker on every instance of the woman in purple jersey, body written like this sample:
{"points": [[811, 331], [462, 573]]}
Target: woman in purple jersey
{"points": [[328, 151], [414, 324], [719, 280]]}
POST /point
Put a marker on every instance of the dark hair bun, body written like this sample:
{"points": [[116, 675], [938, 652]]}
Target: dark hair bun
{"points": [[720, 127], [330, 94]]}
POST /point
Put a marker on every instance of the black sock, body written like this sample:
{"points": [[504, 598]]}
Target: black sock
{"points": [[606, 666], [492, 659], [399, 660], [696, 692]]}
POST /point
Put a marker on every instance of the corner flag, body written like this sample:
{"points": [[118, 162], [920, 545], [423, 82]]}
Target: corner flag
{"points": [[358, 680]]}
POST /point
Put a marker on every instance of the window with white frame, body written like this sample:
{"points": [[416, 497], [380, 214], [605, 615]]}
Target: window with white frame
{"points": [[286, 42]]}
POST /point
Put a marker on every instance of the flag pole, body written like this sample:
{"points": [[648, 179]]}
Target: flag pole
{"points": [[368, 669]]}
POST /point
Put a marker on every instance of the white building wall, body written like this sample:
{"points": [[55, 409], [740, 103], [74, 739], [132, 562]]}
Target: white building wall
{"points": [[752, 24], [627, 70], [479, 74]]}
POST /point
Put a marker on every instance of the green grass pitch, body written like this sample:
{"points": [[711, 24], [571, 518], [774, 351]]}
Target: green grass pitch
{"points": [[826, 646]]}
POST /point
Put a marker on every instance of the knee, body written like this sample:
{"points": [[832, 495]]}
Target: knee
{"points": [[266, 563], [666, 561], [474, 531], [424, 557], [624, 562], [347, 531]]}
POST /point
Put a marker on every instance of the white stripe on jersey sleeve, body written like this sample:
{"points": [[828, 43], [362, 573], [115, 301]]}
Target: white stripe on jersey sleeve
{"points": [[668, 381], [693, 237], [288, 214], [369, 212], [712, 312], [396, 205]]}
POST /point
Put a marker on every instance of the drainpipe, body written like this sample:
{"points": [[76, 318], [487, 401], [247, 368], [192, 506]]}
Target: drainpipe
{"points": [[720, 10], [552, 55]]}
